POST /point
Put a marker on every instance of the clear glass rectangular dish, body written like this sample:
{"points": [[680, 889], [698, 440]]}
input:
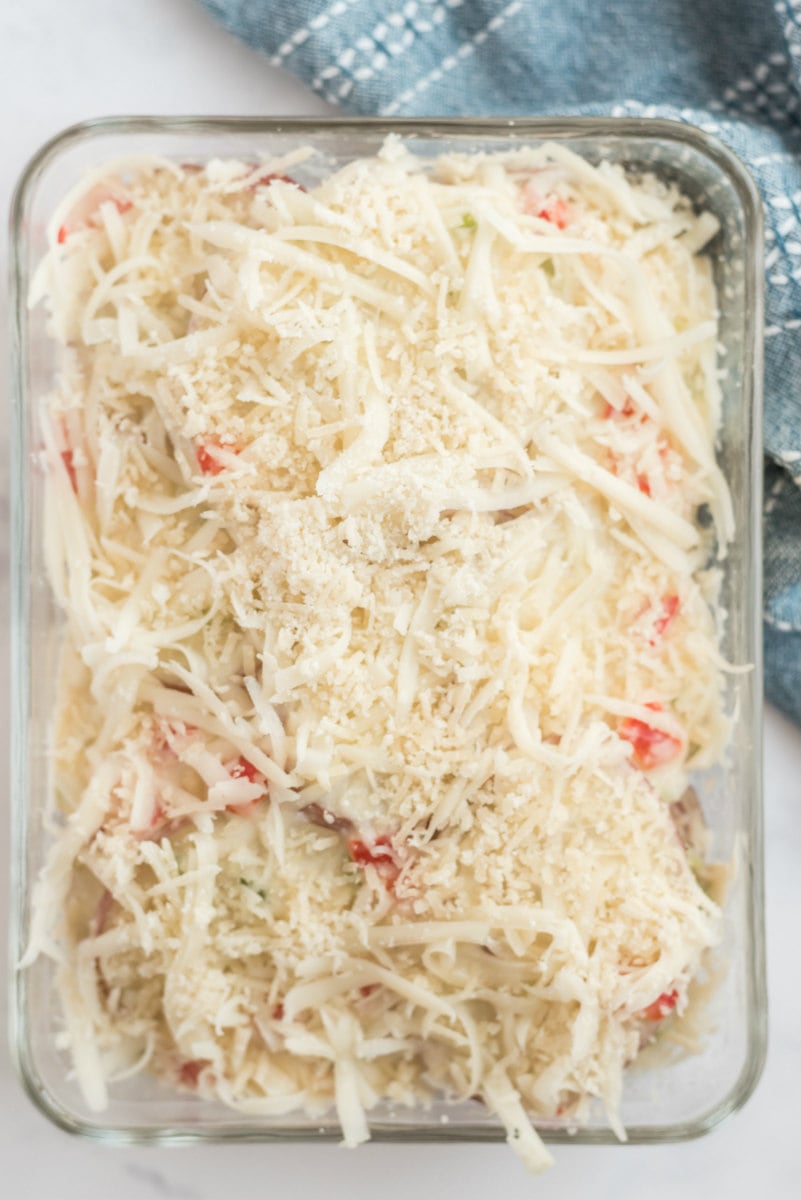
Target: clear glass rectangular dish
{"points": [[672, 1101]]}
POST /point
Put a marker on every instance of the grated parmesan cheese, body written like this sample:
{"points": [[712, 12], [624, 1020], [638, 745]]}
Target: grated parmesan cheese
{"points": [[372, 511]]}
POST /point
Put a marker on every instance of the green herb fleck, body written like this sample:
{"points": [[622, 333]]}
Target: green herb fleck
{"points": [[469, 221], [260, 892], [548, 267]]}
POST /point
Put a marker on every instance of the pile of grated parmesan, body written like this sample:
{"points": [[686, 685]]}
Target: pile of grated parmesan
{"points": [[373, 513]]}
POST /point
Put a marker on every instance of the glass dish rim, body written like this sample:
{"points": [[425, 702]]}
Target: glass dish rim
{"points": [[560, 128]]}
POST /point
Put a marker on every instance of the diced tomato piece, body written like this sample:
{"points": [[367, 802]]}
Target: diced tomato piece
{"points": [[67, 459], [189, 1072], [380, 851], [85, 211], [208, 458], [670, 606], [652, 747], [628, 475], [242, 769], [661, 1007], [380, 854], [626, 412], [278, 1011], [556, 211], [547, 208]]}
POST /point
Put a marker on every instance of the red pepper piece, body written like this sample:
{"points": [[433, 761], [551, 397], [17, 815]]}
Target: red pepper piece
{"points": [[556, 211], [242, 769], [627, 411], [278, 1011], [380, 855], [85, 212], [189, 1072], [670, 606], [661, 1007], [380, 851], [68, 461], [652, 747], [208, 459]]}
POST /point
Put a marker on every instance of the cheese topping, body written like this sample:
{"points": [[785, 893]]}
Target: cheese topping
{"points": [[373, 511]]}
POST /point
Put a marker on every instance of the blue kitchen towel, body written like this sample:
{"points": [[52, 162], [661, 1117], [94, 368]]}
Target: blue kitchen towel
{"points": [[732, 67]]}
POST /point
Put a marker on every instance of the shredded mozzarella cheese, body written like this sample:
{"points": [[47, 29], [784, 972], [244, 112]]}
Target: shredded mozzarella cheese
{"points": [[373, 512]]}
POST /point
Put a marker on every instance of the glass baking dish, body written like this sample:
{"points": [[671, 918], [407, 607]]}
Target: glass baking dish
{"points": [[666, 1101]]}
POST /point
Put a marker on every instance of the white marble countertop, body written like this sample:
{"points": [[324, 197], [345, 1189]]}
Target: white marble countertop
{"points": [[60, 63]]}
